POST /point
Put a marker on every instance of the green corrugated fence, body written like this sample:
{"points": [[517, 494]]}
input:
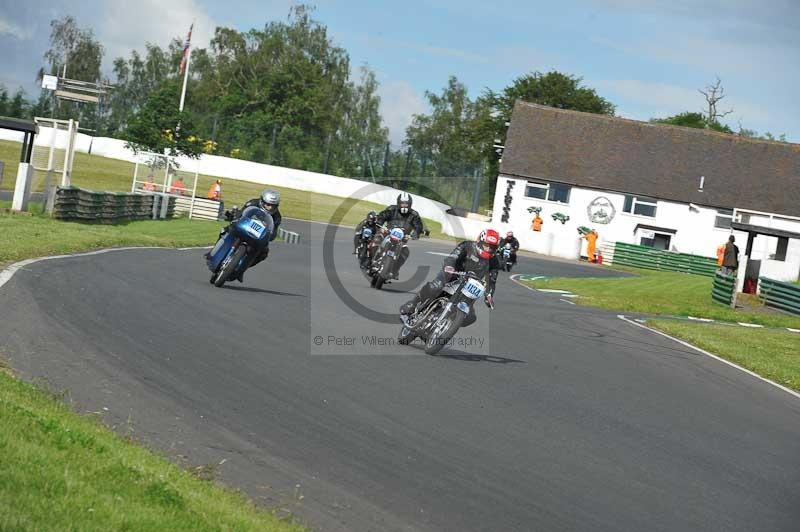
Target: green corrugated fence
{"points": [[656, 259], [780, 295], [724, 289], [73, 203]]}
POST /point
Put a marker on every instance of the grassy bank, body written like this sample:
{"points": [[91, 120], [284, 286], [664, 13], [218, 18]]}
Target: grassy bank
{"points": [[774, 354], [61, 471], [23, 237], [101, 173], [661, 293]]}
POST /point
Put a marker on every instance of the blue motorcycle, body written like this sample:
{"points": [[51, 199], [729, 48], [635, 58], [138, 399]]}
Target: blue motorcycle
{"points": [[236, 250]]}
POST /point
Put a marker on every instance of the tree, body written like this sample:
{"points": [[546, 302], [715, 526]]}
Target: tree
{"points": [[159, 126], [18, 106], [76, 50], [714, 94], [695, 120]]}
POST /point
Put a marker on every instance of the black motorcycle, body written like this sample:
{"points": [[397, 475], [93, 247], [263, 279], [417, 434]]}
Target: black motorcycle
{"points": [[384, 257], [507, 257], [365, 249], [439, 320]]}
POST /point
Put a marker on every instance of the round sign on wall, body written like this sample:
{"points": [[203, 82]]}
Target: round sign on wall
{"points": [[601, 210]]}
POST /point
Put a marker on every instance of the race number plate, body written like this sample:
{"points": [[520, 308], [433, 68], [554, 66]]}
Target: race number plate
{"points": [[473, 289], [390, 253], [255, 228]]}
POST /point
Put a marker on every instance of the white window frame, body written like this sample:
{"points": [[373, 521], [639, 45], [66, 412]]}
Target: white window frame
{"points": [[635, 201], [546, 188]]}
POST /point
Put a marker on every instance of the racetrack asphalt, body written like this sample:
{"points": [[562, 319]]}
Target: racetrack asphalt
{"points": [[565, 418]]}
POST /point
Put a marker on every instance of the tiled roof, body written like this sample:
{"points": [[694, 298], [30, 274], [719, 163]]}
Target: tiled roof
{"points": [[656, 160]]}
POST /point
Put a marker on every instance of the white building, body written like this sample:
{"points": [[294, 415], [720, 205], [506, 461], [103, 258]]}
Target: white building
{"points": [[661, 186]]}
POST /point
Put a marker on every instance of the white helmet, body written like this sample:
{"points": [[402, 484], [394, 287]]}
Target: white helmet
{"points": [[404, 202], [270, 199]]}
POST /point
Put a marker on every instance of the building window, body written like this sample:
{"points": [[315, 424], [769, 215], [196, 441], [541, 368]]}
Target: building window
{"points": [[640, 205], [548, 191], [723, 219]]}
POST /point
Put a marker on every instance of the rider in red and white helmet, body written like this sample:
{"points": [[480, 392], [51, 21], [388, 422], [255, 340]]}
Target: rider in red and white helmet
{"points": [[479, 257]]}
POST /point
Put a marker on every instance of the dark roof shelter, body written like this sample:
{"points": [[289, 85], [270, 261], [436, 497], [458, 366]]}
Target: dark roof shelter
{"points": [[29, 128], [666, 162]]}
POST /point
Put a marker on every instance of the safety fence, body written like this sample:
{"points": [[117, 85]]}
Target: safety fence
{"points": [[780, 295], [724, 290], [656, 259], [73, 203], [200, 208]]}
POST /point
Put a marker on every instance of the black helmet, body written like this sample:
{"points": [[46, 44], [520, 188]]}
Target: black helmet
{"points": [[372, 217], [404, 202]]}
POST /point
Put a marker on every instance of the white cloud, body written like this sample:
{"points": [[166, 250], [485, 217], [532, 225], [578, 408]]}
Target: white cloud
{"points": [[399, 101], [9, 28], [128, 26]]}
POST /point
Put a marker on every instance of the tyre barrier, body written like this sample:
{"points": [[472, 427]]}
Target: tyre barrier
{"points": [[72, 203]]}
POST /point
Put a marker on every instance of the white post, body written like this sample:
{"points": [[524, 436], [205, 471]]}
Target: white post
{"points": [[22, 189], [65, 173], [194, 194], [135, 176], [51, 156]]}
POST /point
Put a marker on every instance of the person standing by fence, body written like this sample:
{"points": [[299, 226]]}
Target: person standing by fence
{"points": [[730, 258], [215, 192]]}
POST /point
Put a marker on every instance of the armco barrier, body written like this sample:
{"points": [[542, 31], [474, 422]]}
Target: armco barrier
{"points": [[656, 259], [780, 295], [724, 289], [290, 237], [107, 207]]}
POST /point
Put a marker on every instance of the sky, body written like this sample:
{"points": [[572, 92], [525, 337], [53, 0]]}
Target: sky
{"points": [[648, 57]]}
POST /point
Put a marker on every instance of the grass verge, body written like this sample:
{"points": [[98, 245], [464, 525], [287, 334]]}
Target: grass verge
{"points": [[101, 173], [61, 471], [774, 354], [662, 293], [23, 237]]}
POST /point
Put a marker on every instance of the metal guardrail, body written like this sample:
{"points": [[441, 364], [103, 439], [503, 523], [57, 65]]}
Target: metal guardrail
{"points": [[290, 237], [724, 290], [73, 203], [780, 295], [656, 259]]}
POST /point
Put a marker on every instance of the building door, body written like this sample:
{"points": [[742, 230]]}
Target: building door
{"points": [[657, 241]]}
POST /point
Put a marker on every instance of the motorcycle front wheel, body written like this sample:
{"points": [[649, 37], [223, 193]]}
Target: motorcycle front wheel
{"points": [[406, 336], [229, 266], [444, 332]]}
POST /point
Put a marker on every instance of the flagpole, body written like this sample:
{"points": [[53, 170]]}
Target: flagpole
{"points": [[186, 71]]}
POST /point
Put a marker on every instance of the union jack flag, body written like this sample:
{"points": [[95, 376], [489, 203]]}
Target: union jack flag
{"points": [[185, 58]]}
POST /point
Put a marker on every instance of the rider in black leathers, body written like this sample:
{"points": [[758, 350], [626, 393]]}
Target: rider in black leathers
{"points": [[402, 215], [370, 221], [510, 239], [479, 257]]}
